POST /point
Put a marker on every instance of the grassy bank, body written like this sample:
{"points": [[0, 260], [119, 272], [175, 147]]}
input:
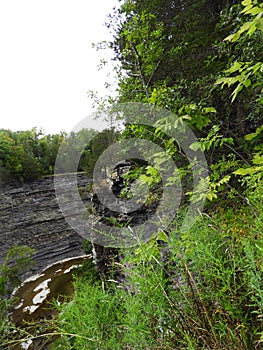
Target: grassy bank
{"points": [[200, 289]]}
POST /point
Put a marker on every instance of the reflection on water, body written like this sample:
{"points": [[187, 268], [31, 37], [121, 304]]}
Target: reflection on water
{"points": [[33, 297]]}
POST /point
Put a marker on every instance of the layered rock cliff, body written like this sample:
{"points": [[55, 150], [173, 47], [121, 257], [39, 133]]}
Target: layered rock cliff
{"points": [[30, 215]]}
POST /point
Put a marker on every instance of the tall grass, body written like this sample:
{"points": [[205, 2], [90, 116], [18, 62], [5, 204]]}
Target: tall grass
{"points": [[200, 289]]}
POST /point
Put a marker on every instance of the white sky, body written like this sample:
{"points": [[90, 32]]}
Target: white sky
{"points": [[47, 64]]}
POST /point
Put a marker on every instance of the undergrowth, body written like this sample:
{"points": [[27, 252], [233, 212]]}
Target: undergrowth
{"points": [[200, 289]]}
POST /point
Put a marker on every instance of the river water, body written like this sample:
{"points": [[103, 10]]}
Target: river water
{"points": [[33, 298]]}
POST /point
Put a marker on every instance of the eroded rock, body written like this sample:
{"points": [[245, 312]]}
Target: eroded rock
{"points": [[30, 215]]}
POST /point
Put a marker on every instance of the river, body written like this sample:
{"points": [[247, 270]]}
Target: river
{"points": [[33, 297]]}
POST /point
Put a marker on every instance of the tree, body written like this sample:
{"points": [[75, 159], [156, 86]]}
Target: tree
{"points": [[18, 259], [98, 144], [188, 33], [172, 52], [28, 155]]}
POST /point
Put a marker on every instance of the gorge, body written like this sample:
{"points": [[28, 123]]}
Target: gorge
{"points": [[30, 215]]}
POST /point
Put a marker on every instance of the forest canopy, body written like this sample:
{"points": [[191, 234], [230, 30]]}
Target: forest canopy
{"points": [[29, 155]]}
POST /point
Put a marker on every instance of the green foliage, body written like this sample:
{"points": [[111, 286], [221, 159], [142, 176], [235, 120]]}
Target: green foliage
{"points": [[246, 74], [98, 144], [75, 151], [213, 139], [17, 261], [255, 9], [170, 54], [256, 168], [27, 155], [200, 289], [93, 324]]}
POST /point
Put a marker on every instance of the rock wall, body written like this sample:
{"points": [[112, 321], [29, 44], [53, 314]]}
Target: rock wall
{"points": [[30, 215]]}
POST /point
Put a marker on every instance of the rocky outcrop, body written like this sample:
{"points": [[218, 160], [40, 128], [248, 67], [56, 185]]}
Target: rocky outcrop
{"points": [[30, 215], [108, 260]]}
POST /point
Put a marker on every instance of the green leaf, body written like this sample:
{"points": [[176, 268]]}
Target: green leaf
{"points": [[259, 248], [246, 2], [257, 159], [235, 67], [163, 237], [224, 180], [247, 8], [250, 137], [246, 26], [236, 91], [247, 83], [233, 37], [152, 171], [255, 11], [252, 29], [248, 171], [259, 24], [242, 171], [211, 195], [144, 178], [215, 129], [209, 110], [195, 146]]}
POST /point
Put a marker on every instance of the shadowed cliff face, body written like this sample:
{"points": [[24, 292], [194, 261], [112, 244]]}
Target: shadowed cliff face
{"points": [[30, 215]]}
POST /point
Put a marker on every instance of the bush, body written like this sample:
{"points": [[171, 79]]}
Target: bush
{"points": [[201, 289], [17, 261]]}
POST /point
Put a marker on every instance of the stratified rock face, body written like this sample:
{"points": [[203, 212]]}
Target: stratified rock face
{"points": [[30, 215]]}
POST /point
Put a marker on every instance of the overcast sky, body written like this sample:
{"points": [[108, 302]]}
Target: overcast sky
{"points": [[47, 63]]}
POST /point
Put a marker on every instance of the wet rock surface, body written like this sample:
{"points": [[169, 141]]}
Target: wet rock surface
{"points": [[30, 215]]}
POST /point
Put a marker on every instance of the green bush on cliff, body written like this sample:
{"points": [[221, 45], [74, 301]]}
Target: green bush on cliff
{"points": [[17, 261]]}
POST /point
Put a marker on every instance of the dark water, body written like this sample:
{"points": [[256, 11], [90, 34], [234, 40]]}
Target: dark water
{"points": [[33, 299]]}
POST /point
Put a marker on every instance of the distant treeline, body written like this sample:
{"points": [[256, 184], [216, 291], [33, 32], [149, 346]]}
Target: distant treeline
{"points": [[28, 155]]}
